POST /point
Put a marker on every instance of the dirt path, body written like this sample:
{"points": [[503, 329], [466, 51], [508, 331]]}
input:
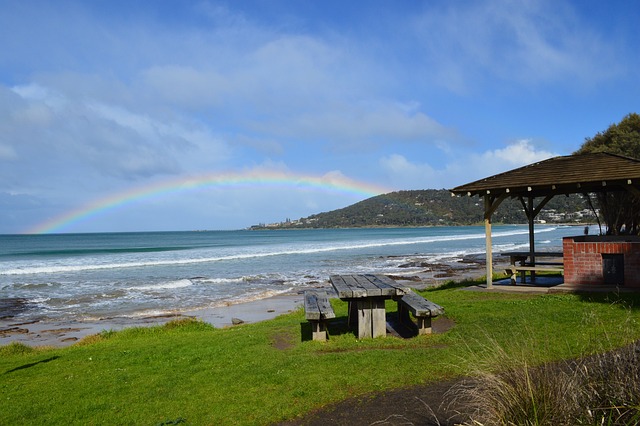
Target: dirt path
{"points": [[425, 405]]}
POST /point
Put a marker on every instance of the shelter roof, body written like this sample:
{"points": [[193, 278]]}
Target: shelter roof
{"points": [[580, 173]]}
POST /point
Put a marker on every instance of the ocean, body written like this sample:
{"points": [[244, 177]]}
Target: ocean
{"points": [[92, 276]]}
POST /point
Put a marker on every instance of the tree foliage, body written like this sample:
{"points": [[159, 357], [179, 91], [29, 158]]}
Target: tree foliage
{"points": [[620, 211], [622, 139]]}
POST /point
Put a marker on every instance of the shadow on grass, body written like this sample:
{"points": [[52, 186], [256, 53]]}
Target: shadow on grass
{"points": [[32, 364], [449, 285], [625, 299], [335, 327], [339, 326]]}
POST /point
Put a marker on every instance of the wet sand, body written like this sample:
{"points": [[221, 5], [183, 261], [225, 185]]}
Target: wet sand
{"points": [[65, 333]]}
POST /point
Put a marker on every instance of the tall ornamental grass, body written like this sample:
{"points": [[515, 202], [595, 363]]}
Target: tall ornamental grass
{"points": [[600, 389]]}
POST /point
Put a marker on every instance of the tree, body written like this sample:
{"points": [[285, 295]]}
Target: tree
{"points": [[619, 210]]}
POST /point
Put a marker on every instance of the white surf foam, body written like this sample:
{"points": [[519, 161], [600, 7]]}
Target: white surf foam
{"points": [[262, 252], [166, 285]]}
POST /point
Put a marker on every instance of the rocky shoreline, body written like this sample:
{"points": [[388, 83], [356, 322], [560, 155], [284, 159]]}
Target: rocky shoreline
{"points": [[60, 333], [11, 307]]}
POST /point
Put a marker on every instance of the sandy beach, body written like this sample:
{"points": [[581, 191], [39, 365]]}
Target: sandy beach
{"points": [[65, 333]]}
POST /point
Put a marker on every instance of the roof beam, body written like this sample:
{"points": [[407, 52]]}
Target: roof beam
{"points": [[532, 211], [493, 204]]}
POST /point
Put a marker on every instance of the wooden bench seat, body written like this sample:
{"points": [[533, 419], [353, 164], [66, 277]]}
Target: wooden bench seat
{"points": [[422, 309], [513, 270], [317, 310]]}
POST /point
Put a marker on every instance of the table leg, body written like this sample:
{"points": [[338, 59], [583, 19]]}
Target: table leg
{"points": [[372, 320], [521, 260], [364, 319], [352, 316], [378, 318]]}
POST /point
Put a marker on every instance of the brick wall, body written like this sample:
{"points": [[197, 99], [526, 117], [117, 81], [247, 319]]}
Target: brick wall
{"points": [[583, 259]]}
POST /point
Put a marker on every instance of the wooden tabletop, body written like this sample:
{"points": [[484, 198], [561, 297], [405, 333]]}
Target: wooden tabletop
{"points": [[368, 285]]}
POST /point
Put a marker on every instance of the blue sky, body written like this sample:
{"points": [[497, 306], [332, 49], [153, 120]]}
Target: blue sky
{"points": [[103, 98]]}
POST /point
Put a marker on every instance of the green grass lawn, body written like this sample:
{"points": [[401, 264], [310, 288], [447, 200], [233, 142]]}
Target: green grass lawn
{"points": [[190, 373]]}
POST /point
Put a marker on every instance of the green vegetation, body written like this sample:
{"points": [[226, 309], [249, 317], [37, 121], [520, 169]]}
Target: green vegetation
{"points": [[191, 373], [433, 207], [620, 211], [603, 389], [622, 138]]}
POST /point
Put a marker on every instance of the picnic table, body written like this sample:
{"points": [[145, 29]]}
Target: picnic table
{"points": [[523, 262], [366, 295]]}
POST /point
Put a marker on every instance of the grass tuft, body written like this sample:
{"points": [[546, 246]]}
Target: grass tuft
{"points": [[188, 323], [611, 383], [16, 348], [178, 325]]}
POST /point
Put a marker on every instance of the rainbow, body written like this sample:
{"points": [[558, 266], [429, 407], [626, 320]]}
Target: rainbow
{"points": [[330, 183]]}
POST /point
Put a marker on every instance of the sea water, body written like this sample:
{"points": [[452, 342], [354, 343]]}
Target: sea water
{"points": [[93, 276]]}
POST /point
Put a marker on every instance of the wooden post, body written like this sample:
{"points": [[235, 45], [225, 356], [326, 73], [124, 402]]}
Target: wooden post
{"points": [[531, 214], [318, 331], [491, 203], [378, 318], [364, 318], [403, 313], [424, 325], [488, 242], [372, 321], [352, 315]]}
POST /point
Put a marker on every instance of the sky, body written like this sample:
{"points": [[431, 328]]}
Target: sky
{"points": [[189, 115]]}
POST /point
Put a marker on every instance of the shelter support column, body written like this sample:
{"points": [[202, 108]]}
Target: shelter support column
{"points": [[488, 242], [491, 203], [532, 239]]}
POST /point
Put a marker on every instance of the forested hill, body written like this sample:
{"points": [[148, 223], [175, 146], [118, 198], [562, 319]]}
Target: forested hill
{"points": [[433, 207]]}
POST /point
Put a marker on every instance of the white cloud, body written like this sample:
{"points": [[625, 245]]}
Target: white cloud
{"points": [[7, 152], [245, 82], [535, 42], [465, 166], [269, 146], [176, 138], [517, 154], [473, 166], [54, 137], [356, 125], [38, 115], [187, 86], [398, 165], [290, 86], [404, 174]]}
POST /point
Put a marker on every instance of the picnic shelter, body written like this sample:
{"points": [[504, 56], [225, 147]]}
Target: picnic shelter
{"points": [[535, 184]]}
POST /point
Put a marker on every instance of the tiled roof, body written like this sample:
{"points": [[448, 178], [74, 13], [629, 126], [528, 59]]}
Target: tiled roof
{"points": [[592, 172]]}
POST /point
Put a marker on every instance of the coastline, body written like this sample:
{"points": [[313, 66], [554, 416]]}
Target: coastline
{"points": [[61, 333]]}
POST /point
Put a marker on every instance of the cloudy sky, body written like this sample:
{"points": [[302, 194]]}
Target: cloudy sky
{"points": [[178, 115]]}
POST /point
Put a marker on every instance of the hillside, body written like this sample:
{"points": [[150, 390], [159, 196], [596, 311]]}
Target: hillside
{"points": [[433, 207]]}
